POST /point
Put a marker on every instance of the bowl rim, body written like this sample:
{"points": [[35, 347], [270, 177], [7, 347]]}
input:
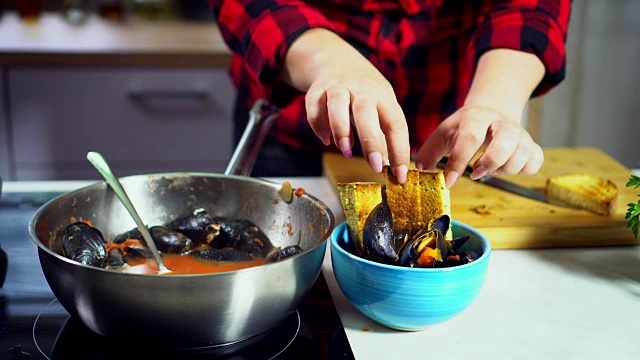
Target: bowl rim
{"points": [[343, 227], [98, 184]]}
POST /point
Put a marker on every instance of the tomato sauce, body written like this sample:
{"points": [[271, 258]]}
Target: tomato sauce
{"points": [[187, 264]]}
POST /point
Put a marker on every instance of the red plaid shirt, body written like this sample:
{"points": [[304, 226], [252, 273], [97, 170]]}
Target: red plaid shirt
{"points": [[426, 49]]}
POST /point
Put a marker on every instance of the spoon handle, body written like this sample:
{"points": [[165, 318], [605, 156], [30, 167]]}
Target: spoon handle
{"points": [[103, 168]]}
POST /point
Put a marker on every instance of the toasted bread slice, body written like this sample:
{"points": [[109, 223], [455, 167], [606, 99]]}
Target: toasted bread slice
{"points": [[583, 191], [358, 199], [422, 198]]}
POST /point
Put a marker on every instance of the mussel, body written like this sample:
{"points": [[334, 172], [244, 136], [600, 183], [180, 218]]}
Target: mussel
{"points": [[377, 238], [131, 234], [221, 255], [170, 241], [115, 258], [84, 244], [198, 226], [283, 253], [243, 235]]}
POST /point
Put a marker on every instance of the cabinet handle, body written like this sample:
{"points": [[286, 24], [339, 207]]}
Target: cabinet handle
{"points": [[150, 95]]}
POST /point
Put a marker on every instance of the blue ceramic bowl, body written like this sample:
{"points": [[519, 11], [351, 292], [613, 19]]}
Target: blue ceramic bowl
{"points": [[409, 298]]}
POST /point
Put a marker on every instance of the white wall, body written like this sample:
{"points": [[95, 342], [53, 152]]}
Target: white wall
{"points": [[599, 102]]}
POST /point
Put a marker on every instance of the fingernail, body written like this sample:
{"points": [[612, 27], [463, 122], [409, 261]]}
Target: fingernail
{"points": [[420, 165], [375, 161], [345, 146], [451, 178], [478, 173], [325, 137], [401, 173]]}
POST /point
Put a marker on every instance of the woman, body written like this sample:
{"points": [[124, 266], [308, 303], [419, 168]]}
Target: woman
{"points": [[393, 78]]}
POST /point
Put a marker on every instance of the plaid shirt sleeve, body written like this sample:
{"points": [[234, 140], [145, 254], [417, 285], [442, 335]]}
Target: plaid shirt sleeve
{"points": [[535, 26], [261, 31]]}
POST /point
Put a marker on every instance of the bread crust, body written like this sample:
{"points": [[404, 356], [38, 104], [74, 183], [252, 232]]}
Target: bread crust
{"points": [[358, 199], [421, 199]]}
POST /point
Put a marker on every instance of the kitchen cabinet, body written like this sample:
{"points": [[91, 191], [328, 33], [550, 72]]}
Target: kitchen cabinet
{"points": [[143, 120], [4, 131]]}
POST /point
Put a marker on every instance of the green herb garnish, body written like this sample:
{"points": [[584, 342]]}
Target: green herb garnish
{"points": [[633, 212]]}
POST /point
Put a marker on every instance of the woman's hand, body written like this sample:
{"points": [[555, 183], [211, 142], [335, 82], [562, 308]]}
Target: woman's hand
{"points": [[344, 90], [509, 149], [490, 119]]}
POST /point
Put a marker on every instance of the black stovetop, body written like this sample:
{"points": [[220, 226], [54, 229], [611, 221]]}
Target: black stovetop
{"points": [[33, 325]]}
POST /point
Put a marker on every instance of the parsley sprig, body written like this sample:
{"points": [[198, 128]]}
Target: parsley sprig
{"points": [[633, 212]]}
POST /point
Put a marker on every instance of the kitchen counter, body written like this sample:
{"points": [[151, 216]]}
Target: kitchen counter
{"points": [[578, 303], [99, 42]]}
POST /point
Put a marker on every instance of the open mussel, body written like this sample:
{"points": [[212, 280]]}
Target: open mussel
{"points": [[377, 238], [84, 244], [422, 250], [198, 226], [169, 241], [243, 235]]}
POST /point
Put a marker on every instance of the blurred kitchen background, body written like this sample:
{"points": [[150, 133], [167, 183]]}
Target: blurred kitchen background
{"points": [[145, 82]]}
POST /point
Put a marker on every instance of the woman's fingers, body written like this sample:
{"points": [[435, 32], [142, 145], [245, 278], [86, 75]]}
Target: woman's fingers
{"points": [[365, 118], [505, 139], [338, 101], [394, 127], [316, 107]]}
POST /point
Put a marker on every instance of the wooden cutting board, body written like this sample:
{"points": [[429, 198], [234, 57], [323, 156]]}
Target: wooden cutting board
{"points": [[511, 221]]}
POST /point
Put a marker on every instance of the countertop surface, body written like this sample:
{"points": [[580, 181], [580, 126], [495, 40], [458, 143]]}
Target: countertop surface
{"points": [[53, 41], [578, 303]]}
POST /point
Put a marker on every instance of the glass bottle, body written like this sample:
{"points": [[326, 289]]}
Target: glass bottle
{"points": [[153, 9], [29, 10], [76, 11], [112, 9]]}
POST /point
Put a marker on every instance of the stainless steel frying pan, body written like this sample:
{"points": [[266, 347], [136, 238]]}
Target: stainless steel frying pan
{"points": [[187, 310]]}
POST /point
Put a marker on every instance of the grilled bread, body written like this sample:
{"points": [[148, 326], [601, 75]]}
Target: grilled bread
{"points": [[583, 191], [422, 198], [358, 199]]}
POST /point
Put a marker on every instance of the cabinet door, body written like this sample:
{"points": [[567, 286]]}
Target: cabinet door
{"points": [[141, 120], [5, 170]]}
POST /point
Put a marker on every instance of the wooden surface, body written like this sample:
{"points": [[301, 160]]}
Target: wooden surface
{"points": [[511, 221], [53, 41]]}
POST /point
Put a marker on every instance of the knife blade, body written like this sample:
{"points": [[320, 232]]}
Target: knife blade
{"points": [[501, 184]]}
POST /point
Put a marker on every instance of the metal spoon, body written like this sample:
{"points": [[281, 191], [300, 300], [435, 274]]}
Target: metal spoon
{"points": [[103, 168]]}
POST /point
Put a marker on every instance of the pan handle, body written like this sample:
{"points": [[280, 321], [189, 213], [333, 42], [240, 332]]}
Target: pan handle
{"points": [[261, 117]]}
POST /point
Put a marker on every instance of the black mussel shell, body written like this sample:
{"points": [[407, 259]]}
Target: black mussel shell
{"points": [[377, 238], [221, 255], [442, 224], [198, 220], [134, 253], [131, 234], [400, 237], [84, 244], [200, 236], [243, 235], [115, 258], [169, 241], [468, 256], [284, 253], [457, 243], [443, 245]]}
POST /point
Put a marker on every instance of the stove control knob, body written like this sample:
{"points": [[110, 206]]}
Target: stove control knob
{"points": [[4, 264]]}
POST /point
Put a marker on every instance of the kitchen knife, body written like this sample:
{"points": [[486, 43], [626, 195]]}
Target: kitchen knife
{"points": [[501, 184]]}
